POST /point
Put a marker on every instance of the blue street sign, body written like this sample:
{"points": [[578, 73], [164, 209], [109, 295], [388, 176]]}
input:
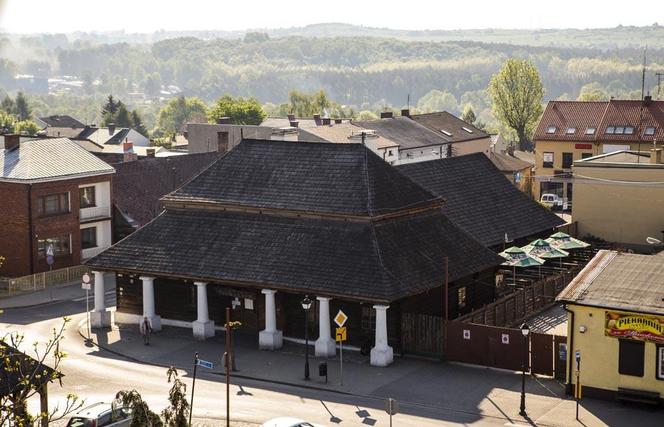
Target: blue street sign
{"points": [[49, 259], [205, 364]]}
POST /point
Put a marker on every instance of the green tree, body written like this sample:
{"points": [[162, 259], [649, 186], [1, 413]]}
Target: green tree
{"points": [[6, 122], [123, 117], [437, 100], [22, 108], [468, 114], [306, 105], [177, 413], [255, 37], [7, 105], [26, 127], [137, 123], [366, 115], [592, 92], [142, 415], [178, 112], [517, 92], [110, 107], [153, 84], [241, 111]]}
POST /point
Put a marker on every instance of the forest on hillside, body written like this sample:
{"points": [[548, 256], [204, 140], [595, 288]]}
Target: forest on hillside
{"points": [[362, 72]]}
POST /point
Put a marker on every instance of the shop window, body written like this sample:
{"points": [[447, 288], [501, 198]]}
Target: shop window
{"points": [[87, 197], [568, 158], [461, 298], [547, 160], [88, 237], [660, 362], [586, 155], [60, 245], [630, 358], [53, 204]]}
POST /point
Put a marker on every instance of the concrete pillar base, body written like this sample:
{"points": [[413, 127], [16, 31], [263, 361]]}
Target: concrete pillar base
{"points": [[270, 340], [325, 347], [382, 356], [101, 319], [203, 330], [155, 321]]}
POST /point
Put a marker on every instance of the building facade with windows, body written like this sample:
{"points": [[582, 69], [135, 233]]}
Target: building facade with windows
{"points": [[56, 205], [616, 323], [574, 130]]}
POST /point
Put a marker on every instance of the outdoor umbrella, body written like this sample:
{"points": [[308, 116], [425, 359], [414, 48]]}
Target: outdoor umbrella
{"points": [[543, 249], [517, 257], [564, 241]]}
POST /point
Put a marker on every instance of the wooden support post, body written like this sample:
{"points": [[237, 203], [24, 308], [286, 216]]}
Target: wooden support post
{"points": [[43, 404]]}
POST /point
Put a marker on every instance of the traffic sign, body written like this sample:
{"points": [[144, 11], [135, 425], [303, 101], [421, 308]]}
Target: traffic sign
{"points": [[205, 364], [49, 259], [85, 286], [86, 278], [340, 319], [341, 334], [391, 406]]}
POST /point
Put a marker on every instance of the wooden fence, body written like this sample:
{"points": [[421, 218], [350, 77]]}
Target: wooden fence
{"points": [[39, 281], [513, 308]]}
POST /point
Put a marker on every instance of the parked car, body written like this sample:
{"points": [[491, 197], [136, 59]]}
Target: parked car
{"points": [[101, 415], [288, 422], [552, 201]]}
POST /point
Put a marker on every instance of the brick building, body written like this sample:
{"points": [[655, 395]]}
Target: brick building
{"points": [[55, 204]]}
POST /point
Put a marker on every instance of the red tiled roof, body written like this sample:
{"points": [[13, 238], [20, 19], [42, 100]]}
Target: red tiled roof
{"points": [[582, 115]]}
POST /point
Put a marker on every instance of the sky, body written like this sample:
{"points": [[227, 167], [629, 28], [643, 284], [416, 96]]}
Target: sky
{"points": [[146, 16]]}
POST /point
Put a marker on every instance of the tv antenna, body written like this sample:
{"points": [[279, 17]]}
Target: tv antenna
{"points": [[643, 75]]}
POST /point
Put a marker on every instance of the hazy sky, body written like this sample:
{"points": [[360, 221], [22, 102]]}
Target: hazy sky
{"points": [[29, 16]]}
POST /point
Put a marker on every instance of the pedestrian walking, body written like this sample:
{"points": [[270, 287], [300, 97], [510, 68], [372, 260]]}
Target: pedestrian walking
{"points": [[146, 330]]}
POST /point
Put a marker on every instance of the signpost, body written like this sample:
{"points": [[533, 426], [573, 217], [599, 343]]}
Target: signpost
{"points": [[85, 284], [577, 395], [392, 408], [340, 319], [204, 364]]}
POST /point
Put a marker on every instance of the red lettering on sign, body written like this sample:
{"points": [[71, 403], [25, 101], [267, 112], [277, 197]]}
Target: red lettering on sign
{"points": [[583, 146]]}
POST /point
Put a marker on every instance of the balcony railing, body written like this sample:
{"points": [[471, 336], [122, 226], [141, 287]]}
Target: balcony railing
{"points": [[95, 212]]}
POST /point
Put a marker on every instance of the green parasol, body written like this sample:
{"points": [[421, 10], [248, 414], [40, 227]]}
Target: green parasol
{"points": [[564, 241]]}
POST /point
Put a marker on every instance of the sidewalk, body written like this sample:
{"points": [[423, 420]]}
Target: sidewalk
{"points": [[419, 385], [64, 292]]}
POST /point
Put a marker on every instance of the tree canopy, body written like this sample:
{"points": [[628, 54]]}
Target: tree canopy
{"points": [[178, 112], [240, 111], [517, 94]]}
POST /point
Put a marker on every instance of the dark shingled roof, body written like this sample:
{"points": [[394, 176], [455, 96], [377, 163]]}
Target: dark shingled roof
{"points": [[480, 200], [450, 123], [365, 260], [346, 179], [138, 186], [62, 121], [404, 131]]}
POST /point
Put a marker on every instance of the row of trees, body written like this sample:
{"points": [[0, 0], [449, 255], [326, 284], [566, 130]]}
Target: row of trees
{"points": [[115, 112], [15, 115]]}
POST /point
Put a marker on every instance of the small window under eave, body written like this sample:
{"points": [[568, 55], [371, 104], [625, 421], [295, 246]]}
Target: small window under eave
{"points": [[551, 129], [590, 131], [570, 131], [446, 132]]}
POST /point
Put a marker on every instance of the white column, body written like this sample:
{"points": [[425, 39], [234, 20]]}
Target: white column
{"points": [[203, 327], [148, 303], [381, 353], [324, 344], [100, 317], [270, 338]]}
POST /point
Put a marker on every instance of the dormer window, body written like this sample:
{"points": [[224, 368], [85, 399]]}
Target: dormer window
{"points": [[570, 131], [551, 129], [610, 130], [590, 131], [620, 130], [446, 132], [466, 129], [629, 130], [650, 130]]}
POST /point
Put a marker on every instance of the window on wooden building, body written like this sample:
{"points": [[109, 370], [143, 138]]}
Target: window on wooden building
{"points": [[630, 358]]}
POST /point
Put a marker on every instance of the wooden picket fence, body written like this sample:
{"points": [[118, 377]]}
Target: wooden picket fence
{"points": [[39, 281]]}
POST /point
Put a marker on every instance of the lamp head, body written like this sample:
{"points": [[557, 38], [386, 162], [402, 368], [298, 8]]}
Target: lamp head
{"points": [[525, 329], [306, 303]]}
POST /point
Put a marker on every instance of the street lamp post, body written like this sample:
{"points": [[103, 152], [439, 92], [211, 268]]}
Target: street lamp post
{"points": [[525, 330], [306, 305]]}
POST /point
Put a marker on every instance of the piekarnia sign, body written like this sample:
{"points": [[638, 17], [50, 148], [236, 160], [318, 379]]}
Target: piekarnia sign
{"points": [[637, 327]]}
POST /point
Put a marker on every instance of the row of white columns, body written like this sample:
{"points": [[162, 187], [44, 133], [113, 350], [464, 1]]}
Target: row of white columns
{"points": [[269, 338]]}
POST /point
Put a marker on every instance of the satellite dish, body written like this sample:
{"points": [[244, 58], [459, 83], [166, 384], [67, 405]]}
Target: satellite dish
{"points": [[653, 241]]}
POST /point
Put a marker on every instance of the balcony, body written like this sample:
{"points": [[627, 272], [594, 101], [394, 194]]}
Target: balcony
{"points": [[90, 252], [95, 212]]}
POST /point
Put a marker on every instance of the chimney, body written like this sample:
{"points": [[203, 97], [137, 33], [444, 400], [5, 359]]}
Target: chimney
{"points": [[224, 121], [149, 152], [294, 123], [111, 128], [327, 121], [317, 119], [656, 156], [291, 117], [647, 100], [386, 115], [405, 112], [12, 140], [337, 121], [127, 147]]}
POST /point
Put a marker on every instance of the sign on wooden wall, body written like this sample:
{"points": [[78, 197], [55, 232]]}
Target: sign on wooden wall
{"points": [[635, 326]]}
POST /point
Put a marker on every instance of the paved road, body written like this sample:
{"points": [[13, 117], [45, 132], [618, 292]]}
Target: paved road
{"points": [[451, 396], [98, 375]]}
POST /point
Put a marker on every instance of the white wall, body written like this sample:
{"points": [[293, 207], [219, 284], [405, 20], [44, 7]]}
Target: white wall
{"points": [[103, 237]]}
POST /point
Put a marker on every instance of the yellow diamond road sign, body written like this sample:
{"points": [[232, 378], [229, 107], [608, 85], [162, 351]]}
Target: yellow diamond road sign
{"points": [[340, 318]]}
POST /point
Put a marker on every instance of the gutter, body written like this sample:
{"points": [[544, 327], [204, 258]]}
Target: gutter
{"points": [[570, 366]]}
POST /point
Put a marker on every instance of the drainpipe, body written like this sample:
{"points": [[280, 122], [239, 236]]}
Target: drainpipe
{"points": [[30, 231], [570, 358]]}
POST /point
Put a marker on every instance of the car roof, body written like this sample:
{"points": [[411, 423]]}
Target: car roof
{"points": [[94, 410], [284, 421]]}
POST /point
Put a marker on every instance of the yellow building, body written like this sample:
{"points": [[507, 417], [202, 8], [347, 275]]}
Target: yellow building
{"points": [[616, 324], [573, 130], [613, 187]]}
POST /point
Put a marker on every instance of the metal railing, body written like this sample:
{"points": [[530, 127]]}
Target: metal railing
{"points": [[39, 281], [95, 212]]}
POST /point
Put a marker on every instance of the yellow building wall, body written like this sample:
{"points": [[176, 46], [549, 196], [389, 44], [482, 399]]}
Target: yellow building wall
{"points": [[619, 212], [599, 355]]}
